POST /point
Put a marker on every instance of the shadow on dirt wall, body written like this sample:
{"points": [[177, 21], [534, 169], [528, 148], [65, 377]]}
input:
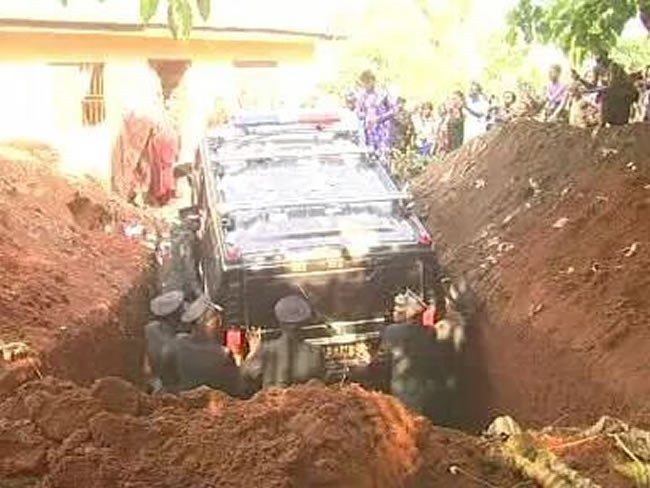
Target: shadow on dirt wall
{"points": [[472, 405]]}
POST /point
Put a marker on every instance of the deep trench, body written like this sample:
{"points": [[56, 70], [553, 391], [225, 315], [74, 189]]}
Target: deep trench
{"points": [[110, 342]]}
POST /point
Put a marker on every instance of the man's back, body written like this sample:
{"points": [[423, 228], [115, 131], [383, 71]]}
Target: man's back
{"points": [[157, 334], [412, 341], [617, 102], [415, 363], [196, 362], [288, 361]]}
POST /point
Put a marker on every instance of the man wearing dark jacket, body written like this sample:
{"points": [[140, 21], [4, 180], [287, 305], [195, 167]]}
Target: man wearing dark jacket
{"points": [[415, 359], [288, 360], [619, 97], [178, 266], [167, 309], [199, 358]]}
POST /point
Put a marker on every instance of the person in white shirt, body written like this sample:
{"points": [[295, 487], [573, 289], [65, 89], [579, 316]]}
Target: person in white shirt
{"points": [[476, 111], [425, 129]]}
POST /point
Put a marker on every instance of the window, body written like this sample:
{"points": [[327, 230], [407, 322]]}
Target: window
{"points": [[93, 108]]}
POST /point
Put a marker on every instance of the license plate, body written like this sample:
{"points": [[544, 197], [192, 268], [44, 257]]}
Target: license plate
{"points": [[348, 352]]}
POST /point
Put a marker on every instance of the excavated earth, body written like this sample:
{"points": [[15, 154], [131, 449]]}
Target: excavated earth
{"points": [[58, 435], [550, 225], [75, 291], [72, 287]]}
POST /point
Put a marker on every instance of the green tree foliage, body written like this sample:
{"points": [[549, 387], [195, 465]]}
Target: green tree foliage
{"points": [[180, 13], [634, 55], [578, 27], [429, 48], [507, 65], [414, 46]]}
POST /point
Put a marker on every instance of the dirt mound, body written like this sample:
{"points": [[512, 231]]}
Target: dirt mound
{"points": [[551, 224], [112, 435], [64, 285]]}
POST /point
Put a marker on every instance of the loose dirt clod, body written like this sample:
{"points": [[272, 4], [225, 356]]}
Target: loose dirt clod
{"points": [[586, 354]]}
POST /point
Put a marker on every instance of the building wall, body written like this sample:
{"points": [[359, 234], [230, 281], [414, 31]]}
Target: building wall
{"points": [[20, 45], [42, 87], [26, 98], [43, 102]]}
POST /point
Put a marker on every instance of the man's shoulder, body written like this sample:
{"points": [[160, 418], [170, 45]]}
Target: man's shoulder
{"points": [[153, 324], [157, 330], [398, 331]]}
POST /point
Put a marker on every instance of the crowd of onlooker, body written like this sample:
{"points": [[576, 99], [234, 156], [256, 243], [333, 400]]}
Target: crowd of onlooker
{"points": [[605, 95]]}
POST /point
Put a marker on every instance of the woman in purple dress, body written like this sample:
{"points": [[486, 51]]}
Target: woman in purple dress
{"points": [[376, 112]]}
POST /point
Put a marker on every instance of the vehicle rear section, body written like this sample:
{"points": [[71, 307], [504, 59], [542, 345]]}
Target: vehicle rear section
{"points": [[307, 211], [352, 301]]}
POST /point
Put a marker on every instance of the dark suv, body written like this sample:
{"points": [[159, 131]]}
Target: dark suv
{"points": [[301, 207]]}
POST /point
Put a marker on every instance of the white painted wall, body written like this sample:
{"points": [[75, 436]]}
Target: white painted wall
{"points": [[43, 102], [27, 102]]}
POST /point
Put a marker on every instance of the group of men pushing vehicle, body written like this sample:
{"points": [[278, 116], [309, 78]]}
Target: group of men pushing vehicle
{"points": [[184, 350]]}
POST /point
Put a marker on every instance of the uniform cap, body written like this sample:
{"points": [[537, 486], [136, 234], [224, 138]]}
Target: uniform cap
{"points": [[167, 303], [292, 309], [198, 308]]}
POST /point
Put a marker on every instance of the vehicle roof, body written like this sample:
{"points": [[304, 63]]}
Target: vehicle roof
{"points": [[298, 190]]}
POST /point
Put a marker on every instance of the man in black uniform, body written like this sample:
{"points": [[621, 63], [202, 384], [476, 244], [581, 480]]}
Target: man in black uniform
{"points": [[414, 357], [288, 360], [178, 267], [199, 358], [167, 309]]}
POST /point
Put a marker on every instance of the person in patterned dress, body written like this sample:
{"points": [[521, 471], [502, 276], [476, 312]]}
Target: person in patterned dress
{"points": [[376, 112]]}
